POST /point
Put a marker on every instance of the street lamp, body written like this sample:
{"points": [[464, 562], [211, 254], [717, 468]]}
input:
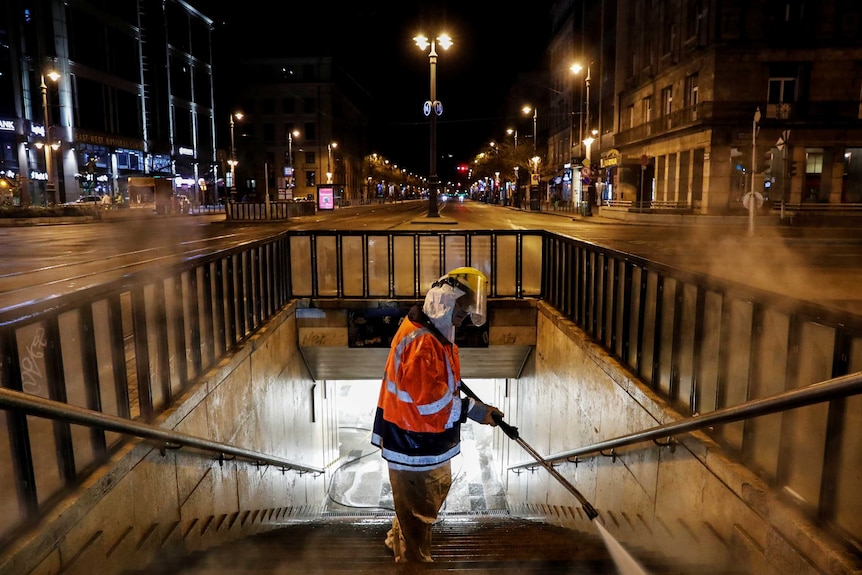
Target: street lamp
{"points": [[50, 187], [291, 177], [577, 68], [527, 110], [432, 109], [513, 132], [329, 147], [232, 161]]}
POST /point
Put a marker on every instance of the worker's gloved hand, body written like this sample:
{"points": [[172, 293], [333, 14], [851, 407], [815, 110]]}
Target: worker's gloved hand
{"points": [[492, 416]]}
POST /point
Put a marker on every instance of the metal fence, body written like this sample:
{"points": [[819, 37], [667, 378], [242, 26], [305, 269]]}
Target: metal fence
{"points": [[128, 348], [707, 344]]}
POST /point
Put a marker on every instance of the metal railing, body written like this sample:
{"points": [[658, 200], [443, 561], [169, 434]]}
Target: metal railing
{"points": [[706, 344], [127, 348], [838, 388], [168, 438]]}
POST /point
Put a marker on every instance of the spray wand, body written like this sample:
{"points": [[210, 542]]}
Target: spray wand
{"points": [[512, 432]]}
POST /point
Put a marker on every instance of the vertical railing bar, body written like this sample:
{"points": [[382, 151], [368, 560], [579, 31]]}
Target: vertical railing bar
{"points": [[90, 369], [118, 356], [835, 428], [785, 451], [615, 294], [366, 284], [219, 329], [56, 382], [195, 322], [723, 353], [339, 265], [626, 299], [179, 304], [605, 301], [676, 340], [697, 345], [658, 324], [230, 302], [142, 354], [754, 341], [161, 327], [312, 262], [641, 311], [19, 434], [265, 281]]}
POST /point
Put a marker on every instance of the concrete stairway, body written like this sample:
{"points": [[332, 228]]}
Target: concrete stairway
{"points": [[472, 544]]}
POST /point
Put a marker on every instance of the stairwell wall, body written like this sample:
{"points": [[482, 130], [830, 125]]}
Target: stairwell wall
{"points": [[692, 502], [148, 502]]}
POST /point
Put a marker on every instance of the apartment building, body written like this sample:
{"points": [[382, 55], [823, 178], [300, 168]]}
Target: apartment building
{"points": [[105, 98], [694, 105]]}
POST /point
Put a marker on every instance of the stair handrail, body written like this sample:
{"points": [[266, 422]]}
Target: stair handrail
{"points": [[835, 388], [35, 405]]}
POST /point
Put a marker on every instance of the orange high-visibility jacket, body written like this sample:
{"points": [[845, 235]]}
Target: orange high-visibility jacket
{"points": [[419, 412]]}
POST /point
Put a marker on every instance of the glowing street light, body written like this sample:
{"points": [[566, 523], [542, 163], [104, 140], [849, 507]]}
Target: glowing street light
{"points": [[290, 137], [329, 147], [576, 69], [432, 109], [535, 112], [232, 161]]}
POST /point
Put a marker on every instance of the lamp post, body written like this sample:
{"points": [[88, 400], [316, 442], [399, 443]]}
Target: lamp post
{"points": [[50, 186], [291, 176], [432, 109], [585, 103], [527, 110], [513, 132], [752, 196], [329, 147], [232, 161]]}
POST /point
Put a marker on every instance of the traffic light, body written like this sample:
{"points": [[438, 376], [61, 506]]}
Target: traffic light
{"points": [[793, 169], [767, 162]]}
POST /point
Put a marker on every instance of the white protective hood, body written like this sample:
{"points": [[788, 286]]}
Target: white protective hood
{"points": [[439, 305]]}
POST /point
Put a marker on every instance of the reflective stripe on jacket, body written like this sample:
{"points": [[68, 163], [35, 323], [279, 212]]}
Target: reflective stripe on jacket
{"points": [[419, 411]]}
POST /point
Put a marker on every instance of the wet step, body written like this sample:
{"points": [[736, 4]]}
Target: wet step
{"points": [[475, 545]]}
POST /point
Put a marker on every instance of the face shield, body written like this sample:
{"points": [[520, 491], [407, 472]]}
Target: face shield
{"points": [[474, 302]]}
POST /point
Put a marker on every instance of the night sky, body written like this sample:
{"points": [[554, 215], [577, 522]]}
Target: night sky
{"points": [[493, 45]]}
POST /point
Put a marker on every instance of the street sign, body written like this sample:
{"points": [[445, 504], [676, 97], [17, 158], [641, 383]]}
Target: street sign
{"points": [[758, 200]]}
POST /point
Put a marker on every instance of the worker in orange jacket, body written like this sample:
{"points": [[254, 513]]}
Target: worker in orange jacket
{"points": [[420, 409]]}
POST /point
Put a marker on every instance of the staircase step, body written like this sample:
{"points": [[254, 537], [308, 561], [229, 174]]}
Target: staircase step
{"points": [[475, 545]]}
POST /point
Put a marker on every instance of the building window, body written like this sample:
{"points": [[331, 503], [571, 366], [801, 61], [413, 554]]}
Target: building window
{"points": [[813, 160], [268, 132], [310, 131], [693, 18], [266, 105], [310, 158], [691, 87], [309, 105], [667, 101], [288, 105], [781, 96], [310, 178], [646, 109], [629, 119]]}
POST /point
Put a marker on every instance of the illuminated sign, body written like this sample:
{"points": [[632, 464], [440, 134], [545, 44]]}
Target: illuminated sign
{"points": [[325, 199], [37, 130], [39, 176], [187, 152], [7, 125]]}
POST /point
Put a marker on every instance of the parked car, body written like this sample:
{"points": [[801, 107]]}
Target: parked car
{"points": [[91, 200]]}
